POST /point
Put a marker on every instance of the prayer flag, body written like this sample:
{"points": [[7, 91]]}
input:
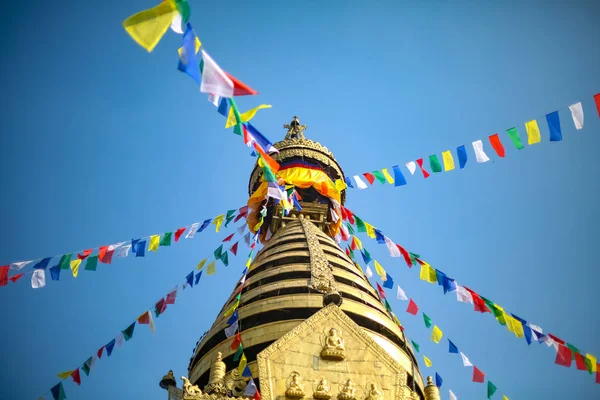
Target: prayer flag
{"points": [[514, 137], [554, 126], [239, 352], [85, 254], [58, 393], [86, 367], [412, 308], [387, 176], [197, 279], [392, 248], [533, 132], [348, 181], [231, 309], [436, 334], [251, 389], [245, 116], [234, 249], [123, 251], [38, 279], [16, 277], [256, 136], [359, 182], [178, 233], [462, 156], [452, 347], [593, 361], [478, 303], [218, 221], [563, 356], [91, 263], [381, 291], [398, 177], [427, 274], [425, 173], [597, 101], [368, 272], [228, 238], [451, 396], [369, 176], [201, 264], [401, 295], [42, 264], [65, 374], [171, 297], [480, 155], [577, 115], [380, 271], [434, 163], [19, 265], [149, 26], [110, 346], [379, 176], [65, 261], [4, 275], [427, 321], [497, 144], [463, 295], [190, 279], [438, 380], [366, 256], [105, 254], [579, 363], [412, 167], [75, 267], [154, 242], [491, 389], [242, 365], [99, 353], [128, 332], [232, 329], [236, 342], [188, 62], [415, 345], [478, 375], [192, 231], [427, 361], [166, 239], [219, 82], [465, 360], [225, 259], [448, 160]]}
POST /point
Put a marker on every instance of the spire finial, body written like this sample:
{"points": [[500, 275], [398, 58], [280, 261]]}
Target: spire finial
{"points": [[295, 130]]}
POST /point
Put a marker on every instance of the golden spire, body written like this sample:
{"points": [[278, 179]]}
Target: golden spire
{"points": [[431, 391], [295, 130]]}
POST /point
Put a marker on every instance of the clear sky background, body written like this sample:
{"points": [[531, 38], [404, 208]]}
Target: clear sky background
{"points": [[102, 142]]}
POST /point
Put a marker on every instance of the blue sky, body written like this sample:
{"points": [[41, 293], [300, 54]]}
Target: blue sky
{"points": [[103, 142]]}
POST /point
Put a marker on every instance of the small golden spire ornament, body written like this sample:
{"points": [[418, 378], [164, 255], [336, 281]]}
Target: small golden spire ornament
{"points": [[216, 380], [295, 130]]}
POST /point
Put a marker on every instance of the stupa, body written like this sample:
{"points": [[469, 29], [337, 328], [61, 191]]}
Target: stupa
{"points": [[311, 323]]}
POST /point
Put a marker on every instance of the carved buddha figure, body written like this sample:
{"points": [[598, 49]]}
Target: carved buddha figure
{"points": [[294, 389], [322, 390], [334, 346], [348, 392], [374, 393]]}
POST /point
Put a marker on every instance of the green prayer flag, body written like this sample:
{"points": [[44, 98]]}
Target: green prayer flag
{"points": [[58, 392], [166, 239], [238, 353], [379, 175], [573, 349], [491, 389], [238, 297], [225, 259], [128, 333], [416, 346], [435, 163], [237, 129], [218, 252], [413, 257], [588, 364], [65, 261], [499, 314], [268, 175], [360, 225], [230, 213], [201, 66], [91, 263], [86, 366], [514, 136], [387, 306], [427, 320], [367, 254], [351, 252], [350, 228]]}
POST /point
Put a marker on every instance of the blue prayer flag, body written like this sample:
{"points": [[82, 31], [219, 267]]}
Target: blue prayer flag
{"points": [[198, 275], [190, 279], [233, 318], [260, 138], [58, 393], [247, 372], [188, 62], [43, 264], [223, 107], [399, 179], [389, 282], [554, 126], [451, 347], [55, 273], [348, 182], [526, 328], [204, 225], [366, 257], [462, 156], [134, 243], [438, 380], [379, 236], [140, 248], [110, 346]]}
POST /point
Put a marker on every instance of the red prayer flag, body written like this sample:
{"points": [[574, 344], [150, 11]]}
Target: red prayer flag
{"points": [[597, 100], [144, 318], [228, 238], [412, 308], [178, 233], [369, 177], [350, 216], [104, 255], [268, 160], [236, 341], [240, 88], [100, 352], [15, 278], [348, 252], [405, 255], [353, 244], [597, 373], [478, 303], [563, 356], [76, 377], [381, 291], [243, 211], [344, 213], [233, 248], [161, 306], [425, 173], [497, 144], [579, 362], [478, 375], [557, 340], [4, 275], [85, 254], [256, 396], [171, 297]]}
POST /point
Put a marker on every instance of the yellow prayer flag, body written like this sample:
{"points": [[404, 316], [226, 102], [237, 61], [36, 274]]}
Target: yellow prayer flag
{"points": [[436, 334], [593, 361], [201, 265], [500, 315], [231, 309], [154, 241], [218, 221], [448, 160], [427, 361], [380, 271], [428, 274], [370, 230], [248, 262], [514, 326], [533, 132], [358, 243], [242, 365], [358, 266], [245, 117], [397, 321], [75, 267], [387, 175], [211, 269], [66, 374], [340, 185], [149, 26], [504, 398]]}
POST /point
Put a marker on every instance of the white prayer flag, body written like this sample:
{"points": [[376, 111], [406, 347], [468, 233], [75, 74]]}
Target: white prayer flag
{"points": [[38, 279], [93, 363], [247, 239], [151, 320], [412, 167], [119, 339], [123, 251], [251, 389], [19, 265], [243, 280], [214, 99], [392, 248], [176, 23], [451, 395], [463, 295], [275, 191], [465, 360], [214, 79], [577, 114], [401, 294], [480, 155], [115, 246], [231, 329], [334, 216], [241, 229], [359, 182], [368, 273], [192, 230]]}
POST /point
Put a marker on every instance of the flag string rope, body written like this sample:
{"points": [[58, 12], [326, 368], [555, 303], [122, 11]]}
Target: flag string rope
{"points": [[565, 352]]}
